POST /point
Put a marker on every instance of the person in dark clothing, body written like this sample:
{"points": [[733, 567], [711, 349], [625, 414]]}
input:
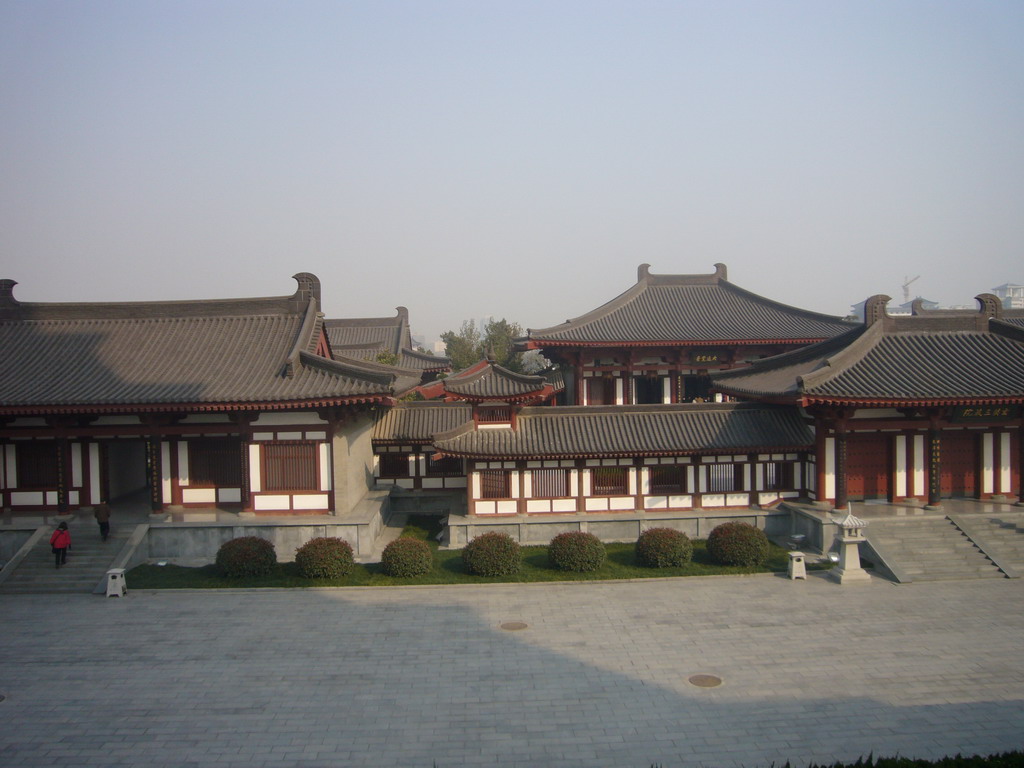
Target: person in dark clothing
{"points": [[60, 542], [102, 515]]}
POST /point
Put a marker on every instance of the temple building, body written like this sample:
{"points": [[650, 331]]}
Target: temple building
{"points": [[387, 339], [659, 341], [906, 408], [235, 403], [264, 407]]}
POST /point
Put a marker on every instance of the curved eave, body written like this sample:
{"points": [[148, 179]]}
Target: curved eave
{"points": [[529, 397], [542, 343], [275, 405], [621, 454], [921, 402]]}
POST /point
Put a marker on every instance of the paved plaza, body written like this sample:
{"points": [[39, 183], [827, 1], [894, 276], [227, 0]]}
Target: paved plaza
{"points": [[811, 671]]}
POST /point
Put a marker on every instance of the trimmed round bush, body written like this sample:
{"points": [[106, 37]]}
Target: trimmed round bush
{"points": [[492, 554], [246, 556], [663, 548], [325, 557], [407, 557], [738, 544], [576, 551]]}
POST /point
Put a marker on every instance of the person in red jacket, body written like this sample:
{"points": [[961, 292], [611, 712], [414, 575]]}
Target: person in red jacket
{"points": [[60, 541]]}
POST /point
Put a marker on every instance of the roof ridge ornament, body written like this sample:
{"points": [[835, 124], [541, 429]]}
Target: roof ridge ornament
{"points": [[989, 305], [643, 272], [721, 271], [7, 293], [309, 288], [874, 308]]}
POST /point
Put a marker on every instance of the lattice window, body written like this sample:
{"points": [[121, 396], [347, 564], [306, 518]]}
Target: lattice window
{"points": [[495, 484], [37, 463], [445, 466], [394, 465], [724, 478], [494, 414], [550, 483], [610, 481], [291, 466], [668, 478], [780, 476], [215, 462]]}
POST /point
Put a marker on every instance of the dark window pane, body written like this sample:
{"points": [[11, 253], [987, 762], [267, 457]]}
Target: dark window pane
{"points": [[216, 462], [610, 481], [550, 483], [495, 484], [394, 465], [668, 479], [37, 463], [290, 467]]}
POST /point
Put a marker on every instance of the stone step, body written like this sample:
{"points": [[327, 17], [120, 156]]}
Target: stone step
{"points": [[88, 561], [934, 549]]}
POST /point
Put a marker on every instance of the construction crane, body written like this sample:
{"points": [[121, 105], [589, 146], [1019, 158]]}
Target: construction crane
{"points": [[906, 287]]}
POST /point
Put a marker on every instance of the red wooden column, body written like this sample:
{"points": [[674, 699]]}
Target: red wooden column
{"points": [[244, 421], [1020, 465], [934, 462], [154, 474], [842, 502], [676, 372], [821, 428], [579, 378], [63, 476]]}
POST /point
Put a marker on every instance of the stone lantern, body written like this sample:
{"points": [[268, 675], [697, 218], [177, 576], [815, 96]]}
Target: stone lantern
{"points": [[849, 550]]}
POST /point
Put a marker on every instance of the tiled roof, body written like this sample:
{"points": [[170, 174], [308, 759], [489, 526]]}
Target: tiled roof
{"points": [[675, 309], [1013, 317], [488, 381], [371, 335], [634, 430], [933, 357], [410, 358], [364, 338], [492, 382], [202, 355], [419, 421]]}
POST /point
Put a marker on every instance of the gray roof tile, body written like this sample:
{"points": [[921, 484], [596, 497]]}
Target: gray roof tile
{"points": [[419, 421], [933, 357], [636, 430], [201, 354], [674, 309]]}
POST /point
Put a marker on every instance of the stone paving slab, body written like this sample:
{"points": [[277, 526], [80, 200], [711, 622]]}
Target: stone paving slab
{"points": [[812, 671]]}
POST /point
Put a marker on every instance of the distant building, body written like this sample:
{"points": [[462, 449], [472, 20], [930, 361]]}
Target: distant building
{"points": [[905, 309], [1011, 295]]}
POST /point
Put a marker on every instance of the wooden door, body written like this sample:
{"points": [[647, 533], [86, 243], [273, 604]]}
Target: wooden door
{"points": [[959, 462], [868, 466]]}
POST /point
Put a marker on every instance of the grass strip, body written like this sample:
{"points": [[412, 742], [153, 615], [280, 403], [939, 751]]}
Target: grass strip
{"points": [[448, 569]]}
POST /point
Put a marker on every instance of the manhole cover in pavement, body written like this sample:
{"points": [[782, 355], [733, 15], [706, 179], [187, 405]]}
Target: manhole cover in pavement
{"points": [[514, 626], [705, 681]]}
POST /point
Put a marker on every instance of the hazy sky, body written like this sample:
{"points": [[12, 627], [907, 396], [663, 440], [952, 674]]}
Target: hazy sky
{"points": [[514, 158]]}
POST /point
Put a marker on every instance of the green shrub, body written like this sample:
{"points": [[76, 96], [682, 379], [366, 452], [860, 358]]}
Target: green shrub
{"points": [[492, 554], [576, 551], [325, 557], [407, 557], [663, 548], [738, 544], [246, 556]]}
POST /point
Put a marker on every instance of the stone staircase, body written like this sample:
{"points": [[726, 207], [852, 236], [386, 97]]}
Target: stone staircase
{"points": [[929, 549], [1003, 536], [88, 561]]}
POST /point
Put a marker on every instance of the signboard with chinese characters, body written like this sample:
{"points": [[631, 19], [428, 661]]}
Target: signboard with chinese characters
{"points": [[985, 412], [708, 357]]}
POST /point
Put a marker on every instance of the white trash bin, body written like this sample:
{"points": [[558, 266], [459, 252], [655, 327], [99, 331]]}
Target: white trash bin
{"points": [[116, 586], [797, 567]]}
